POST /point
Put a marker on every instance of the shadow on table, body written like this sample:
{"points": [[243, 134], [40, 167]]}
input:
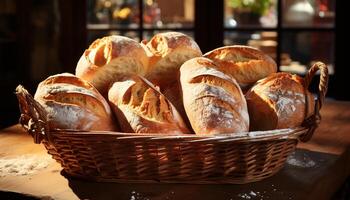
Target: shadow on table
{"points": [[297, 180], [159, 191], [17, 196]]}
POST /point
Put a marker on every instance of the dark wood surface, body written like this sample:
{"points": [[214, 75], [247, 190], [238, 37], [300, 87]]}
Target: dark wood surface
{"points": [[315, 171]]}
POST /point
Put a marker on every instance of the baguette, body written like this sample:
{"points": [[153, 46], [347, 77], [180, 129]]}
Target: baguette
{"points": [[72, 103], [167, 52], [141, 108], [279, 101], [213, 101], [246, 64], [109, 59]]}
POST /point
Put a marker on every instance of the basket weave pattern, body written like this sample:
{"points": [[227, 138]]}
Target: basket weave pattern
{"points": [[169, 159], [128, 157]]}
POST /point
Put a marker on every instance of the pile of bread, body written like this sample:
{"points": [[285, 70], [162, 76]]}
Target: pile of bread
{"points": [[167, 86]]}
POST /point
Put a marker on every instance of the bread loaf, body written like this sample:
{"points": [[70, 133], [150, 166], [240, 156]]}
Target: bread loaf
{"points": [[72, 103], [246, 64], [109, 59], [141, 108], [279, 101], [213, 101], [168, 51]]}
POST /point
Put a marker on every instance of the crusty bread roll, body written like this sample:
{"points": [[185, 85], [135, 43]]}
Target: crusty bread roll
{"points": [[278, 101], [168, 51], [246, 64], [141, 108], [109, 59], [72, 103], [213, 101]]}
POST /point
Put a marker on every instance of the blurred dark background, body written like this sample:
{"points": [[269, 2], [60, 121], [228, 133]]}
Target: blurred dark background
{"points": [[39, 38]]}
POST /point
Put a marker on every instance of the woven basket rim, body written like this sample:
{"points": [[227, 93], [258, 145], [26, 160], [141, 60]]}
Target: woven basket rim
{"points": [[289, 133]]}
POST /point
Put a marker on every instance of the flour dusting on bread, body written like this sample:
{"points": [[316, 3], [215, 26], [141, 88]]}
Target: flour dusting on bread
{"points": [[278, 101], [71, 103], [140, 107], [213, 101]]}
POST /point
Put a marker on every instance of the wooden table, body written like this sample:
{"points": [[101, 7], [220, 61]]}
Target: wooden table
{"points": [[326, 160]]}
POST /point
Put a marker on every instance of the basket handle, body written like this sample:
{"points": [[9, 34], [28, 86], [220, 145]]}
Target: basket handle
{"points": [[313, 121], [33, 116]]}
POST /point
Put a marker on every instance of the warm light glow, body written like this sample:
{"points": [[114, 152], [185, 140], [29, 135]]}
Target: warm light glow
{"points": [[123, 13], [149, 2], [108, 4]]}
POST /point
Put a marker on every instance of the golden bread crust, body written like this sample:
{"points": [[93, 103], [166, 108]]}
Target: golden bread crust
{"points": [[142, 108], [109, 59], [246, 64], [213, 101], [72, 103], [278, 101]]}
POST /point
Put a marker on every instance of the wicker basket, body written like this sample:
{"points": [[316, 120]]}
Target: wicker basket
{"points": [[129, 157]]}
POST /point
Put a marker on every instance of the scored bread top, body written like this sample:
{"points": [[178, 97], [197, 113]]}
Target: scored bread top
{"points": [[72, 103], [162, 43], [168, 51], [278, 101], [141, 108], [109, 59], [246, 64], [103, 50], [213, 101], [67, 78]]}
